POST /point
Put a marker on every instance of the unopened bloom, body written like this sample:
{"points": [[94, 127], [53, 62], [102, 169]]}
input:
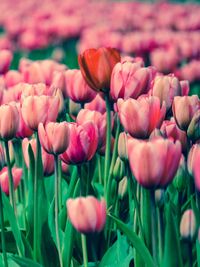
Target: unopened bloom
{"points": [[140, 117], [83, 143], [188, 225], [87, 214], [4, 178], [154, 163], [96, 66], [54, 137]]}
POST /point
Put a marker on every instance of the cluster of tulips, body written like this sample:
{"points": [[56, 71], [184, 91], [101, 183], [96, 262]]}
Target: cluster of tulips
{"points": [[99, 166]]}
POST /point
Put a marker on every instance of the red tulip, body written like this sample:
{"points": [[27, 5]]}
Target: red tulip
{"points": [[87, 214], [140, 117], [154, 163], [4, 179], [83, 143], [96, 66], [54, 137]]}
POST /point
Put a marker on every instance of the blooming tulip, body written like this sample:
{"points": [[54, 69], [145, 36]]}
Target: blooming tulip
{"points": [[140, 117], [83, 143], [4, 178], [97, 104], [77, 88], [36, 109], [9, 121], [184, 108], [154, 163], [23, 130], [96, 66], [87, 214], [54, 137]]}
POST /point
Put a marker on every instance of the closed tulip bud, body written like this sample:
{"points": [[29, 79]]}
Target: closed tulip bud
{"points": [[184, 108], [145, 112], [5, 60], [122, 146], [58, 81], [123, 187], [54, 137], [193, 131], [159, 197], [194, 150], [129, 80], [119, 170], [193, 164], [188, 227], [77, 88], [74, 109], [36, 109], [154, 163], [9, 121], [4, 178], [83, 143], [166, 88], [87, 214], [181, 179], [96, 67]]}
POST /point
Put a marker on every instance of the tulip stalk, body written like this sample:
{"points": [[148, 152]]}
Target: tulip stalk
{"points": [[57, 181], [84, 249], [3, 243], [153, 225], [11, 185]]}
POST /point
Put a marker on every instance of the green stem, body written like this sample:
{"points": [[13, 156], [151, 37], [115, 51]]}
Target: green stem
{"points": [[59, 184], [84, 249], [99, 170], [161, 233], [11, 185], [3, 244], [57, 180], [108, 139], [35, 200], [153, 225]]}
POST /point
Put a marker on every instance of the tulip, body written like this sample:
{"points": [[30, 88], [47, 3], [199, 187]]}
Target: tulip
{"points": [[13, 77], [123, 187], [97, 104], [129, 80], [122, 146], [9, 121], [185, 87], [154, 163], [74, 109], [193, 164], [188, 225], [193, 131], [96, 67], [140, 117], [166, 88], [87, 214], [5, 60], [83, 143], [77, 88], [4, 178], [23, 130], [184, 108], [36, 109], [54, 137]]}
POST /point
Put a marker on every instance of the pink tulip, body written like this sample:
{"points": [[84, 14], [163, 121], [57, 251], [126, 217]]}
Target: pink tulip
{"points": [[5, 60], [140, 117], [87, 214], [166, 88], [83, 143], [13, 77], [196, 168], [23, 130], [184, 108], [36, 109], [97, 104], [76, 87], [129, 80], [185, 87], [9, 121], [188, 225], [4, 179], [54, 137], [154, 163], [47, 159]]}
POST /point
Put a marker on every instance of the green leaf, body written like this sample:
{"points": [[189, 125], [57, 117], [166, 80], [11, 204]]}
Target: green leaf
{"points": [[119, 254], [24, 262], [9, 213], [172, 252], [137, 243], [198, 252]]}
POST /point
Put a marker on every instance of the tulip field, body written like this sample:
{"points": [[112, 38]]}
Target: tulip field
{"points": [[99, 134]]}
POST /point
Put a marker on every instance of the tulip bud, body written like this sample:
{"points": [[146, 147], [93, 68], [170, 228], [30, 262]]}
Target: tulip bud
{"points": [[4, 178], [188, 227], [181, 179], [74, 109], [123, 187], [87, 214], [122, 146], [159, 197], [193, 131], [119, 170]]}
